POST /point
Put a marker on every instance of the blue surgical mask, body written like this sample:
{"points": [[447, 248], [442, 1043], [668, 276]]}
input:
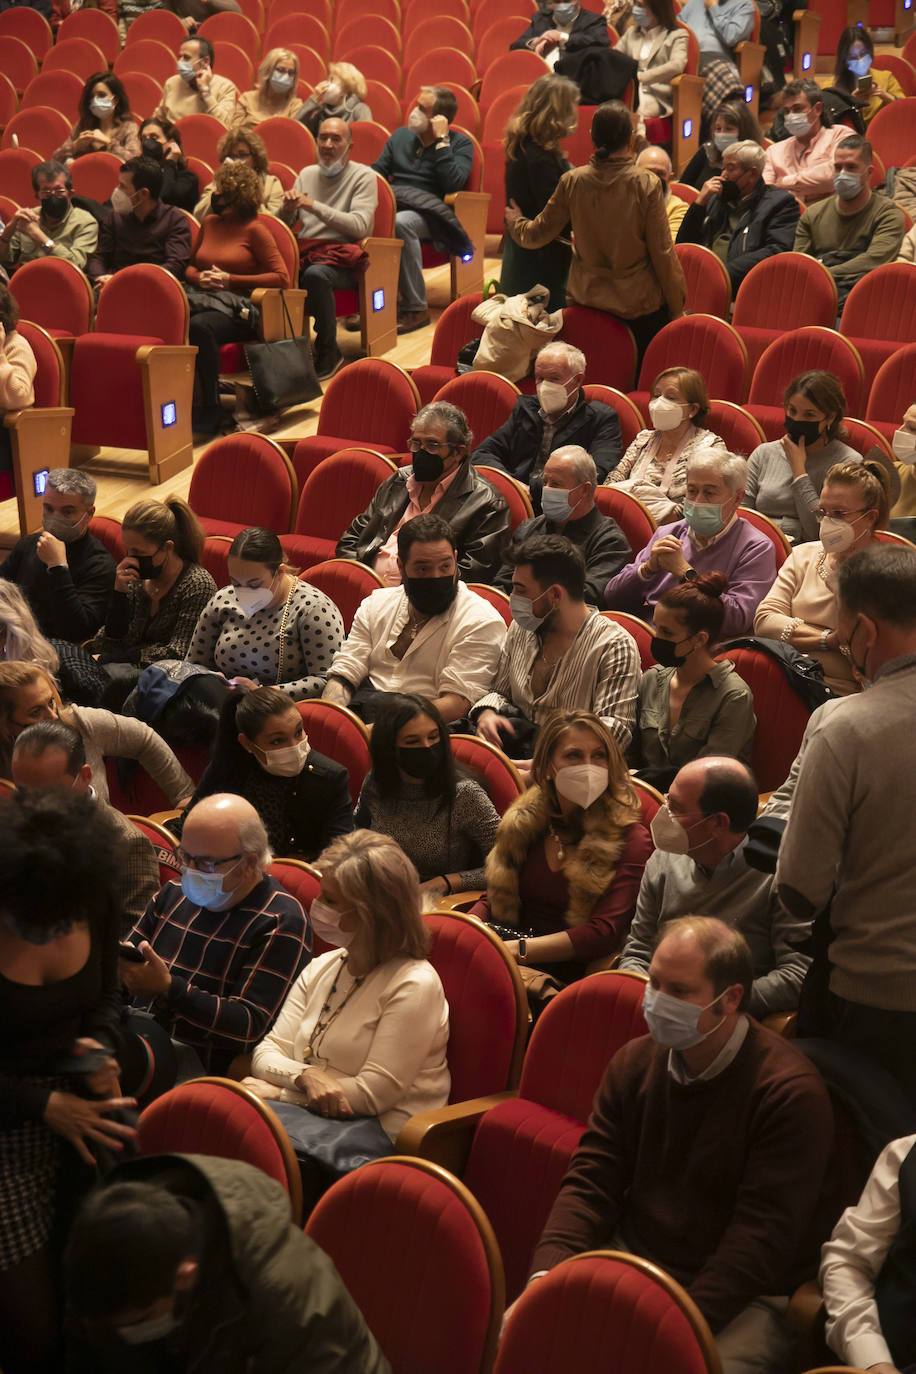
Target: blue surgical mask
{"points": [[206, 889], [640, 17], [847, 185], [859, 66], [522, 608], [723, 141], [703, 517], [186, 69], [673, 1023]]}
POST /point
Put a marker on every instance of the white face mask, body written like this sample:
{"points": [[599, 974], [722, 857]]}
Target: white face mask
{"points": [[581, 783], [281, 82], [325, 921], [665, 413], [836, 535], [253, 599], [556, 504], [101, 105], [287, 762], [904, 446], [417, 121], [142, 1333], [797, 123], [522, 610], [673, 1023], [552, 396], [186, 69], [723, 141], [669, 835], [847, 185], [121, 202], [332, 96]]}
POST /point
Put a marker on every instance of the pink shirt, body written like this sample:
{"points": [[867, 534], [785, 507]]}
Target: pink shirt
{"points": [[386, 560], [805, 170]]}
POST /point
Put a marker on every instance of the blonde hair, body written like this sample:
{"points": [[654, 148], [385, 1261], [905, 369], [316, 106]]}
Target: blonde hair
{"points": [[161, 521], [619, 790], [871, 478], [24, 641], [543, 114], [13, 677], [350, 77], [266, 68], [381, 886]]}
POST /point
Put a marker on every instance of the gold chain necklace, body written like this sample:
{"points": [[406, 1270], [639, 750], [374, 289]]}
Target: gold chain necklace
{"points": [[322, 1026], [282, 654]]}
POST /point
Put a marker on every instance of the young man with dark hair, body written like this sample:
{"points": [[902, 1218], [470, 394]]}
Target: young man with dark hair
{"points": [[195, 88], [802, 164], [141, 227]]}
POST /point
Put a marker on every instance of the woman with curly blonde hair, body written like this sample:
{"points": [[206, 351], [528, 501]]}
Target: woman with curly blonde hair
{"points": [[233, 254], [248, 148], [545, 115], [276, 92], [341, 95]]}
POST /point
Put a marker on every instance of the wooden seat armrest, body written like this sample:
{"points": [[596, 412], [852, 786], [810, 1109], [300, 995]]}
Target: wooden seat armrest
{"points": [[459, 901], [160, 817], [444, 1136], [273, 321], [784, 1023]]}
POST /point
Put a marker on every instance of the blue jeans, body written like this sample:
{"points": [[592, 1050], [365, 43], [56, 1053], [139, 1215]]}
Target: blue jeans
{"points": [[321, 280], [411, 228]]}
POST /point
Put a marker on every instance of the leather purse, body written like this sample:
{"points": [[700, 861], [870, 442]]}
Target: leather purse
{"points": [[282, 370]]}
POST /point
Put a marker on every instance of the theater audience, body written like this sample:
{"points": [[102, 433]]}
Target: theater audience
{"points": [[222, 948], [58, 940], [267, 628], [854, 230], [785, 476], [801, 608], [738, 216], [330, 206], [80, 678], [545, 115], [654, 467], [51, 754], [633, 273], [55, 228], [568, 508], [444, 821], [161, 141], [559, 415], [198, 1230], [159, 594], [868, 87], [802, 163], [710, 538], [64, 572], [141, 227], [440, 478], [29, 694], [735, 1220], [561, 27], [431, 636], [364, 1030], [424, 155], [342, 95], [195, 88], [698, 864], [262, 753], [569, 854], [658, 45], [732, 122], [850, 851], [105, 123], [690, 705], [235, 253], [655, 159], [559, 653], [276, 92]]}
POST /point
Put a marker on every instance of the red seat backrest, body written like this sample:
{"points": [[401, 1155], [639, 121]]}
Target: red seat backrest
{"points": [[16, 170], [108, 532], [497, 38], [165, 306], [95, 175], [454, 328], [341, 736], [288, 141], [346, 582], [164, 845], [738, 430], [55, 90], [245, 478], [714, 348], [298, 28], [440, 67], [384, 104], [286, 243], [372, 399], [512, 492], [520, 67], [157, 26], [49, 377], [55, 294], [882, 304], [486, 398], [496, 118], [29, 26], [709, 288], [37, 127], [496, 774], [761, 522], [149, 56], [629, 512], [9, 100], [379, 64], [200, 136], [629, 414], [438, 31], [785, 292], [609, 347], [75, 55], [367, 139], [892, 391], [638, 630], [781, 716], [891, 131], [95, 25], [803, 350], [339, 489]]}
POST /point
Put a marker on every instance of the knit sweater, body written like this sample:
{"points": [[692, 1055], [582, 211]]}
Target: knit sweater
{"points": [[180, 98], [851, 245], [343, 207], [17, 373], [68, 600], [717, 1180], [131, 635], [246, 251], [405, 161], [434, 841], [792, 501]]}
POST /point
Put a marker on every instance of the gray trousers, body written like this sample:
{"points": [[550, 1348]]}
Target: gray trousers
{"points": [[411, 228]]}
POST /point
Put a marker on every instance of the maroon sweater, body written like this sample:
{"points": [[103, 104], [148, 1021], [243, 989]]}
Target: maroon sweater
{"points": [[718, 1182]]}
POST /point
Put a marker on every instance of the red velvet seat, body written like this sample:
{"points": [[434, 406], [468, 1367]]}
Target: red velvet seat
{"points": [[288, 141], [608, 345], [242, 480], [781, 546], [604, 1301], [629, 415], [497, 116], [374, 29], [370, 403], [384, 104], [440, 66], [9, 101], [54, 90], [77, 55], [95, 25], [56, 295], [631, 515], [156, 26], [163, 842], [346, 582], [367, 139], [519, 67], [709, 287], [298, 28], [28, 26], [735, 426], [16, 170], [339, 489], [341, 735], [95, 175], [710, 346], [900, 67], [214, 557], [17, 61], [215, 1116], [454, 328], [497, 599], [348, 10], [514, 494], [150, 56], [781, 715], [225, 27], [496, 773], [487, 399], [784, 292], [880, 311], [200, 136], [418, 1257], [650, 800], [144, 796], [108, 532], [893, 391], [377, 63], [892, 132], [437, 31], [39, 434], [802, 350], [638, 630], [862, 436]]}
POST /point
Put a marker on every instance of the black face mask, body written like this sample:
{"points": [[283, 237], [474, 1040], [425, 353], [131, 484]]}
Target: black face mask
{"points": [[427, 467], [664, 651], [420, 761], [217, 204], [430, 595], [147, 568], [730, 192], [152, 149], [55, 207], [809, 430]]}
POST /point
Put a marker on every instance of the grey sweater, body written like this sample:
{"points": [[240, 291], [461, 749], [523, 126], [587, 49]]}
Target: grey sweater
{"points": [[420, 825], [343, 207], [791, 503]]}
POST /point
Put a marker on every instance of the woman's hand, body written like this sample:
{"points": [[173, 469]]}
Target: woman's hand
{"points": [[104, 1081], [512, 213], [490, 725], [324, 1095], [126, 573], [81, 1121], [795, 453], [269, 1092], [171, 152]]}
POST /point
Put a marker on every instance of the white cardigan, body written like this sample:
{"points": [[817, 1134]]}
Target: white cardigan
{"points": [[386, 1048]]}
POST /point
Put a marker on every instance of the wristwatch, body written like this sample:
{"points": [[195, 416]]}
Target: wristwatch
{"points": [[48, 244], [689, 575]]}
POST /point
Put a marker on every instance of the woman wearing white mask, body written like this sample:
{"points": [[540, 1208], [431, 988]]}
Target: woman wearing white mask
{"points": [[342, 95], [732, 123], [105, 123], [800, 608], [362, 1037], [569, 854], [267, 628], [262, 753], [247, 148], [658, 45], [276, 92], [654, 467]]}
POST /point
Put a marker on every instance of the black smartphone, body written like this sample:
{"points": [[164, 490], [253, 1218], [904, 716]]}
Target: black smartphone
{"points": [[130, 953]]}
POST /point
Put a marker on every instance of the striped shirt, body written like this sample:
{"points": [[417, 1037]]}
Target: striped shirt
{"points": [[599, 672], [231, 970]]}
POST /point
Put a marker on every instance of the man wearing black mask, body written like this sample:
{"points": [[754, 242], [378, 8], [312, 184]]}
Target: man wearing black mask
{"points": [[442, 479], [55, 228], [431, 635], [740, 217]]}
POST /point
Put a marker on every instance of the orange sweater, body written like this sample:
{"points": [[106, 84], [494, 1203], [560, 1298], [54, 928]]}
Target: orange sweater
{"points": [[246, 251]]}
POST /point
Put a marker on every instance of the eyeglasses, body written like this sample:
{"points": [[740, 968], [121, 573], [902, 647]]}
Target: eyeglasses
{"points": [[821, 514], [414, 445], [200, 864]]}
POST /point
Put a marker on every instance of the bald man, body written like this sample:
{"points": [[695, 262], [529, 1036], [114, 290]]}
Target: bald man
{"points": [[657, 160], [222, 948]]}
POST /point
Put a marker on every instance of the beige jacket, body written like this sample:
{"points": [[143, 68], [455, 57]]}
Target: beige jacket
{"points": [[623, 258], [251, 109], [17, 373], [516, 328], [665, 59], [180, 99]]}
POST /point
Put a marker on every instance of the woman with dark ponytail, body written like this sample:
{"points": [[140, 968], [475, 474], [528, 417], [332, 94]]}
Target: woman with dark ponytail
{"points": [[690, 705], [159, 592]]}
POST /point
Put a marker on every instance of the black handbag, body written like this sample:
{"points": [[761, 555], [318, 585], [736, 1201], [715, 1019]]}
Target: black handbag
{"points": [[283, 370]]}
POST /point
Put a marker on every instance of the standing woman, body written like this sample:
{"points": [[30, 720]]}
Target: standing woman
{"points": [[855, 54], [105, 123], [659, 47], [276, 91], [545, 115], [623, 259], [267, 628], [60, 1000]]}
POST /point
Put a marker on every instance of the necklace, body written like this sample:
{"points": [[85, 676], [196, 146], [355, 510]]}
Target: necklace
{"points": [[282, 635], [414, 624], [326, 1017], [821, 568]]}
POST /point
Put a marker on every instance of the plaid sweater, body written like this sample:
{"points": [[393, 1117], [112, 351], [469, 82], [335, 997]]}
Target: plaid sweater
{"points": [[231, 970]]}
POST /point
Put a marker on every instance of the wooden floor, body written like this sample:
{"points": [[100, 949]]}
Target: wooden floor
{"points": [[123, 477]]}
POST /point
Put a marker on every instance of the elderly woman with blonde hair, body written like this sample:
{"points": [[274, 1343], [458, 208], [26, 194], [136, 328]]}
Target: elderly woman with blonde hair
{"points": [[342, 95], [245, 147], [276, 92]]}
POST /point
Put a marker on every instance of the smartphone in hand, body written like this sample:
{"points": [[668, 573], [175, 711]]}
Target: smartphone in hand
{"points": [[130, 953]]}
